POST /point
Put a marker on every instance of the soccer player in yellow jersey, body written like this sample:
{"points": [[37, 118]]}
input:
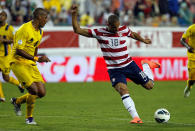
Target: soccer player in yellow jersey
{"points": [[26, 41], [6, 39], [188, 40]]}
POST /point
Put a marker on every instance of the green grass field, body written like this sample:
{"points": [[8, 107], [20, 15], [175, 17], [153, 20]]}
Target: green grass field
{"points": [[96, 106]]}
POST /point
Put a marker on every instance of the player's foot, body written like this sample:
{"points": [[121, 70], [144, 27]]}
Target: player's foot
{"points": [[152, 64], [187, 91], [136, 120], [16, 107], [21, 89], [2, 99], [30, 121]]}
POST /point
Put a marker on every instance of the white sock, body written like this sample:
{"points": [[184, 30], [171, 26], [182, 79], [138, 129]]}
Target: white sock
{"points": [[129, 105], [147, 71]]}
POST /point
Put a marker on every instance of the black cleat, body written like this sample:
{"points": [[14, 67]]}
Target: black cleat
{"points": [[30, 121], [16, 106]]}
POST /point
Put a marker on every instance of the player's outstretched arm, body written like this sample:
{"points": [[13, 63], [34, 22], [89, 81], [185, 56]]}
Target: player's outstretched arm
{"points": [[184, 43], [76, 26], [136, 36]]}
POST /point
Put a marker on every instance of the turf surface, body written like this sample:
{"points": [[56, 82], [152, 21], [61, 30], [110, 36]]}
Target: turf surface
{"points": [[96, 106]]}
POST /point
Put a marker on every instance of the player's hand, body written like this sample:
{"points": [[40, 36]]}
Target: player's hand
{"points": [[74, 9], [44, 59], [191, 50], [147, 41]]}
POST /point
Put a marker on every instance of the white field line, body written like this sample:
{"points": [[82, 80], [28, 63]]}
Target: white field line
{"points": [[111, 118]]}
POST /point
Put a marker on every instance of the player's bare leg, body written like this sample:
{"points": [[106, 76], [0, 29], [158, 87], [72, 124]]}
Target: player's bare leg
{"points": [[32, 89], [122, 89], [41, 89]]}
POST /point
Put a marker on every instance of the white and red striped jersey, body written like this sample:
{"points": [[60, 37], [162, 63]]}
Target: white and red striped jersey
{"points": [[113, 46]]}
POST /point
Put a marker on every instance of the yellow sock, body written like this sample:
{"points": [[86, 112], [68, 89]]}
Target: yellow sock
{"points": [[1, 91], [22, 99], [30, 101], [14, 81]]}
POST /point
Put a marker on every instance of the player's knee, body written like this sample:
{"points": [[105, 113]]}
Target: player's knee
{"points": [[32, 92], [32, 89], [121, 89], [41, 94], [149, 85]]}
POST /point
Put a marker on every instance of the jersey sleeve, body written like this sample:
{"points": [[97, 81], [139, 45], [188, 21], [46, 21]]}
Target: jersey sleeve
{"points": [[20, 38], [129, 33], [186, 34], [93, 32]]}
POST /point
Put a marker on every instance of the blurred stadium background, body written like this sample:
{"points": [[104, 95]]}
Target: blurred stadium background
{"points": [[155, 13], [79, 59]]}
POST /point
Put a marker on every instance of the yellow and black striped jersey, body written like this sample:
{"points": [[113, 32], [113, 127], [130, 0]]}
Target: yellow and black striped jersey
{"points": [[6, 31], [27, 39]]}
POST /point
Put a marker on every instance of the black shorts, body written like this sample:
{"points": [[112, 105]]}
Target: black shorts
{"points": [[131, 71]]}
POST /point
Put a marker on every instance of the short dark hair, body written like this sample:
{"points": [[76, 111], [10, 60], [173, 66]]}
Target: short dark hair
{"points": [[39, 11], [112, 19], [3, 11]]}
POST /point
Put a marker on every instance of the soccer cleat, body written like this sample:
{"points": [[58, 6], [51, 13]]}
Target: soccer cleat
{"points": [[21, 89], [136, 120], [187, 91], [152, 64], [2, 99], [16, 107], [30, 121]]}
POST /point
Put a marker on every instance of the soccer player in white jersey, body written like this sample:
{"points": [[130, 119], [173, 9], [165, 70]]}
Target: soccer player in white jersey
{"points": [[112, 40]]}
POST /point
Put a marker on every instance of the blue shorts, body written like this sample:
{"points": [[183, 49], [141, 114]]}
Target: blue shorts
{"points": [[131, 71]]}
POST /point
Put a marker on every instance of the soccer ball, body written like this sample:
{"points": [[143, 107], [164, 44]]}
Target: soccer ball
{"points": [[162, 115]]}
